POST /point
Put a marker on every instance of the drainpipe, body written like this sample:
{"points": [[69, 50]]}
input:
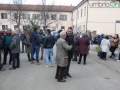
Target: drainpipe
{"points": [[76, 19], [87, 16]]}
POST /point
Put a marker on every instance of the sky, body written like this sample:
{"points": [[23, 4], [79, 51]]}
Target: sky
{"points": [[56, 2]]}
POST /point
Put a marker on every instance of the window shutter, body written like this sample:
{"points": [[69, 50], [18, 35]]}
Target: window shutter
{"points": [[60, 17], [38, 16], [65, 17], [6, 26], [5, 15], [28, 16], [33, 16]]}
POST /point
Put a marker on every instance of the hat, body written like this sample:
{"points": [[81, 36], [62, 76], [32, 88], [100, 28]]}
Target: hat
{"points": [[40, 29]]}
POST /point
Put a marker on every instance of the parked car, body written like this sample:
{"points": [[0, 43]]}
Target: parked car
{"points": [[55, 33], [94, 40]]}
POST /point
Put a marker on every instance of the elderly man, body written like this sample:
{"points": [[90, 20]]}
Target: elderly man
{"points": [[15, 50], [62, 56]]}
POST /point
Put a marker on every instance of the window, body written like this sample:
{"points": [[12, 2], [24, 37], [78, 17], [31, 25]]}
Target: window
{"points": [[81, 12], [36, 16], [63, 17], [4, 27], [15, 26], [63, 27], [53, 17], [3, 15], [85, 12], [15, 16], [26, 16]]}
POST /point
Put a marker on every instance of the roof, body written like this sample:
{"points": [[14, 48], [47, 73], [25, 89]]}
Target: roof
{"points": [[25, 7], [80, 4]]}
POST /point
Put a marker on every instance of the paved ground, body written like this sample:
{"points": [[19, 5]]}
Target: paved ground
{"points": [[96, 75]]}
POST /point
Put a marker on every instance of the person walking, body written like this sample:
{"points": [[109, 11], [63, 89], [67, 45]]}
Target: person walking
{"points": [[61, 56], [41, 38], [15, 50], [76, 37], [6, 43], [114, 45], [70, 40], [83, 50], [48, 44], [105, 43], [29, 45], [34, 39], [23, 36]]}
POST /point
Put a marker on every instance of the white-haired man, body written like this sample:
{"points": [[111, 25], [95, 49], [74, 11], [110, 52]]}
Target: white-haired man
{"points": [[15, 50], [62, 56]]}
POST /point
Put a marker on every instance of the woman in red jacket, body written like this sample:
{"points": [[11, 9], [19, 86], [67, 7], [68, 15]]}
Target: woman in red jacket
{"points": [[83, 50]]}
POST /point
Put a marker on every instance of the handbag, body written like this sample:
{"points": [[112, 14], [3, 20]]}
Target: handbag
{"points": [[25, 42], [88, 45]]}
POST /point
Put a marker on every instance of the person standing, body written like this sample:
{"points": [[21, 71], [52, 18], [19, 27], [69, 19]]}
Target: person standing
{"points": [[15, 50], [76, 37], [6, 43], [29, 45], [34, 39], [114, 45], [23, 36], [61, 56], [48, 44], [105, 43], [83, 50], [70, 40], [41, 38]]}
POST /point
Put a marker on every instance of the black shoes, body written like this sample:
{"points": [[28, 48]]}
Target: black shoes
{"points": [[12, 68], [17, 67], [41, 58], [79, 62], [61, 80], [2, 69], [22, 52], [3, 64], [74, 60], [68, 75]]}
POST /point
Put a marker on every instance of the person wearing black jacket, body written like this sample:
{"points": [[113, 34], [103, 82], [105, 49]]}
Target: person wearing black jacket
{"points": [[6, 43], [58, 36], [48, 44], [70, 40]]}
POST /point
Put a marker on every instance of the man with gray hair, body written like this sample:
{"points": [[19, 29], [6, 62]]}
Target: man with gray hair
{"points": [[15, 50], [62, 56]]}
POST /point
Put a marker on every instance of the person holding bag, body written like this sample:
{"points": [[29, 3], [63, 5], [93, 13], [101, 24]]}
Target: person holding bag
{"points": [[83, 47], [105, 47], [114, 45]]}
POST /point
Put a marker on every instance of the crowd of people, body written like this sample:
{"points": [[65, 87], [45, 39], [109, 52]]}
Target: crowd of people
{"points": [[108, 45], [68, 45]]}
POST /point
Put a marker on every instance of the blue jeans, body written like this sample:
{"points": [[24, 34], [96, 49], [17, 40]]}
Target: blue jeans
{"points": [[35, 49], [49, 52], [14, 57], [1, 67]]}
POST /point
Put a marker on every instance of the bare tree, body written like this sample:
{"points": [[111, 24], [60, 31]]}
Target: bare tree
{"points": [[48, 15], [15, 12]]}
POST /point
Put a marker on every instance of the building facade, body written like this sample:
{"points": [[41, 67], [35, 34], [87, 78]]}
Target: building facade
{"points": [[96, 19], [59, 17]]}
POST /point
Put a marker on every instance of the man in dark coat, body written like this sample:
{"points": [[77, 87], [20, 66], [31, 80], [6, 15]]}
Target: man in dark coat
{"points": [[6, 43], [34, 39], [70, 41]]}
